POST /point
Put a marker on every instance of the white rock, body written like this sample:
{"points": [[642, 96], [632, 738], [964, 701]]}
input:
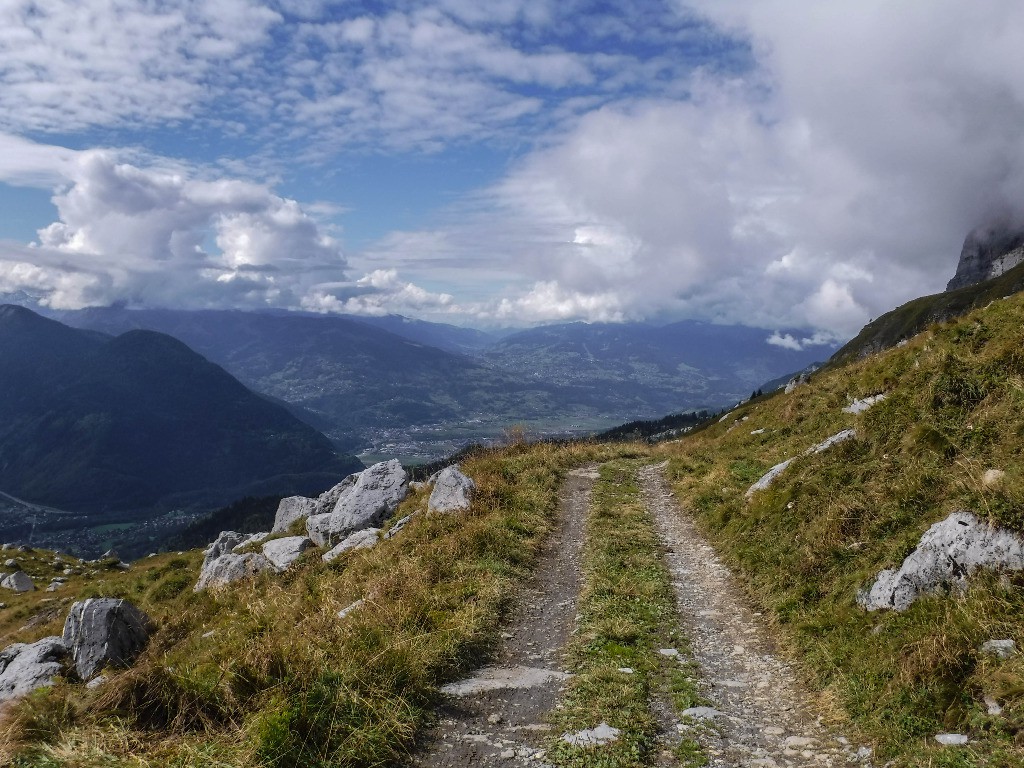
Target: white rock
{"points": [[701, 713], [951, 739], [452, 491], [284, 552], [102, 631], [366, 502], [364, 539], [289, 510], [859, 406], [398, 526], [948, 552], [1002, 649], [670, 652], [25, 667], [836, 439], [758, 431], [993, 706], [18, 581], [251, 539], [992, 477], [768, 477], [230, 568], [353, 607], [592, 737]]}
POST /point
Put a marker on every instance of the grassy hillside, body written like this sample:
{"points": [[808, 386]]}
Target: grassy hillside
{"points": [[831, 521]]}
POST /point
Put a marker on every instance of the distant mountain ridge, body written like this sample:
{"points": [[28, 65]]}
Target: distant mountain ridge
{"points": [[91, 422], [989, 251]]}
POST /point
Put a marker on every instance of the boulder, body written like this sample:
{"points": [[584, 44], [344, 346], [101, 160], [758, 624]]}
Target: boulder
{"points": [[1001, 649], [453, 491], [836, 439], [225, 542], [284, 552], [859, 406], [768, 477], [104, 631], [291, 509], [364, 503], [364, 539], [948, 552], [231, 567], [18, 581], [328, 500], [27, 666]]}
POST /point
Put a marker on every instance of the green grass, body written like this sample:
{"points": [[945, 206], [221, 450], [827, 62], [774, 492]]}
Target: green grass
{"points": [[281, 681], [830, 522], [626, 613]]}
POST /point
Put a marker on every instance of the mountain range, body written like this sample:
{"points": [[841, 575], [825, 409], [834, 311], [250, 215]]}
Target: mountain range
{"points": [[140, 422]]}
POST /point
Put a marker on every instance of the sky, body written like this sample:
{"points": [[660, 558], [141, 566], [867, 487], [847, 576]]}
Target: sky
{"points": [[787, 164]]}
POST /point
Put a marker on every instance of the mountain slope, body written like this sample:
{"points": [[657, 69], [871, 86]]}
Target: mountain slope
{"points": [[94, 423]]}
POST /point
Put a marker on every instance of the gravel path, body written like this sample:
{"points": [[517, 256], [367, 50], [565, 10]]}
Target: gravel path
{"points": [[760, 716], [496, 718]]}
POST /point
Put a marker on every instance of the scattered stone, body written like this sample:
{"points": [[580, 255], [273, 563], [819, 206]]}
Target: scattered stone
{"points": [[289, 510], [951, 739], [992, 477], [768, 477], [836, 439], [670, 652], [626, 670], [25, 667], [1002, 649], [701, 713], [758, 431], [859, 406], [797, 742], [346, 611], [593, 737], [364, 503], [54, 586], [18, 581], [104, 631], [230, 568], [96, 682], [452, 492], [948, 552], [284, 552], [501, 678], [494, 718], [993, 706], [11, 563], [211, 633], [398, 526], [364, 539]]}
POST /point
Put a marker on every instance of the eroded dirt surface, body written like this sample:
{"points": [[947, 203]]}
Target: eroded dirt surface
{"points": [[759, 715], [496, 718]]}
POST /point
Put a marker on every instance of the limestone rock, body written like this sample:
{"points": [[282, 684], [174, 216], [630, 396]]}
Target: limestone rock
{"points": [[253, 538], [18, 581], [25, 667], [859, 406], [949, 552], [225, 542], [951, 739], [1002, 649], [328, 500], [353, 607], [768, 477], [798, 380], [364, 539], [284, 552], [364, 503], [291, 509], [231, 567], [453, 491], [836, 439], [398, 526], [988, 251], [992, 477], [592, 737], [104, 631]]}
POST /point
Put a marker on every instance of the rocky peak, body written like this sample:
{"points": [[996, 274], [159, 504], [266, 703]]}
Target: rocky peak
{"points": [[989, 251]]}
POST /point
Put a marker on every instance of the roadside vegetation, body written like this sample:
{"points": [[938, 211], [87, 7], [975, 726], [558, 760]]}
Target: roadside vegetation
{"points": [[626, 614], [830, 522], [264, 673]]}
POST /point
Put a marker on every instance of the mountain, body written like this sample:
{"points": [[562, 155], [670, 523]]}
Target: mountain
{"points": [[137, 422], [988, 251], [650, 370], [450, 338]]}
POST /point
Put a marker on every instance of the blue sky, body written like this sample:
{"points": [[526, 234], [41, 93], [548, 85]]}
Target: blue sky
{"points": [[780, 162]]}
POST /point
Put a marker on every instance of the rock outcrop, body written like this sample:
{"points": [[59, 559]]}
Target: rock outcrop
{"points": [[988, 252], [27, 666], [374, 495], [364, 539], [284, 552], [949, 552], [231, 567], [291, 509], [104, 631], [453, 491], [770, 476], [864, 403], [19, 581]]}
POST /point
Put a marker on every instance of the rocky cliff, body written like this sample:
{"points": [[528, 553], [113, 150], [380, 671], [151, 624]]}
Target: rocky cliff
{"points": [[988, 252]]}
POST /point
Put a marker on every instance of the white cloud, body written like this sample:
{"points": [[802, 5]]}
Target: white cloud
{"points": [[163, 235], [380, 292], [789, 341]]}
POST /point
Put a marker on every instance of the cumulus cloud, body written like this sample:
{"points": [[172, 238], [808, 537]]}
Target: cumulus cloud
{"points": [[378, 293], [830, 182], [160, 235]]}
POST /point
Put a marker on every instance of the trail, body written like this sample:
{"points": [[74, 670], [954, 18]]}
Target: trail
{"points": [[496, 718], [765, 718]]}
